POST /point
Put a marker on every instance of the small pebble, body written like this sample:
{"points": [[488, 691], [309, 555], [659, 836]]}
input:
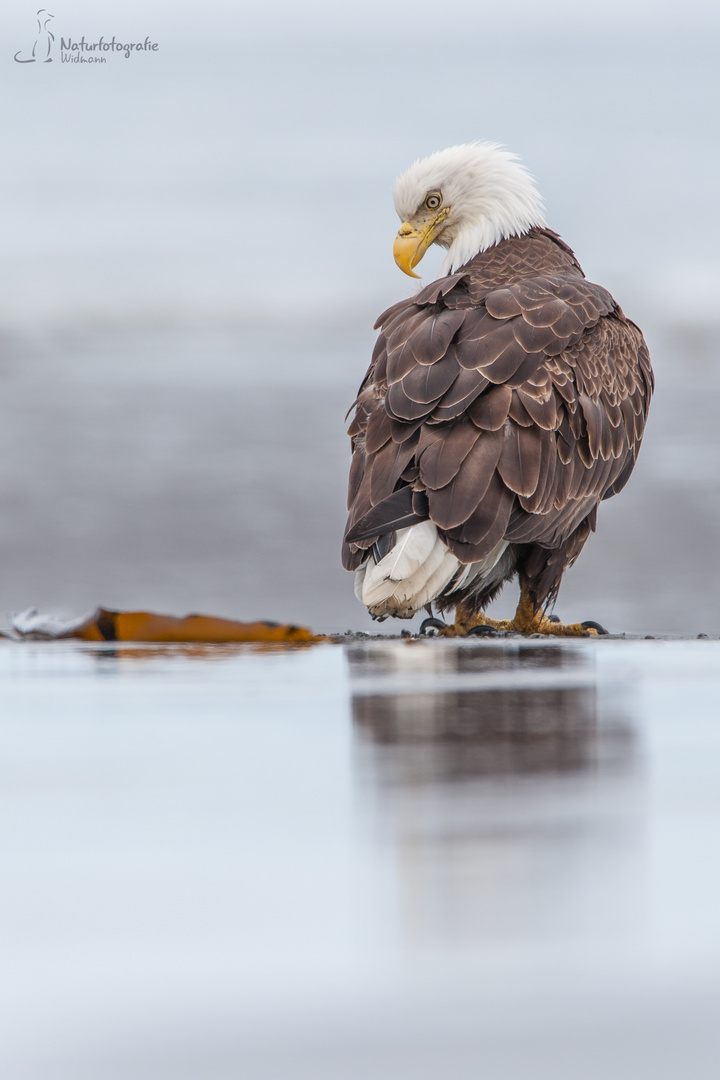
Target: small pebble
{"points": [[703, 635]]}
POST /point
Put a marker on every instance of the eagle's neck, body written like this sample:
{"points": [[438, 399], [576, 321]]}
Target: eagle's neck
{"points": [[506, 215], [538, 251]]}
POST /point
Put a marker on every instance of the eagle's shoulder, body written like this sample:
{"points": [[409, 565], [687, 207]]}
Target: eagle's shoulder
{"points": [[437, 352]]}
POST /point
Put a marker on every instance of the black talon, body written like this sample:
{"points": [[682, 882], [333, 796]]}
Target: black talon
{"points": [[482, 631], [431, 624], [553, 618], [590, 625]]}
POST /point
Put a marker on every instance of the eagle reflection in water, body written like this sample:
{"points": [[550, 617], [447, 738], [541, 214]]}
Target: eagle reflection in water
{"points": [[505, 796], [522, 721]]}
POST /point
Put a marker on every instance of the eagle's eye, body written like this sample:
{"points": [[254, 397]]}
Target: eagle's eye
{"points": [[433, 200]]}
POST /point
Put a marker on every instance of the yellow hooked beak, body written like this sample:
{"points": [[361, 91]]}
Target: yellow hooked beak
{"points": [[411, 243]]}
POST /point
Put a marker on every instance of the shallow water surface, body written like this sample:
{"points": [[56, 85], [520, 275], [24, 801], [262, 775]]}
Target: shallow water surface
{"points": [[388, 859]]}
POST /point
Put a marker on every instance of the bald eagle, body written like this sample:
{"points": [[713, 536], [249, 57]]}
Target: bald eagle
{"points": [[502, 404]]}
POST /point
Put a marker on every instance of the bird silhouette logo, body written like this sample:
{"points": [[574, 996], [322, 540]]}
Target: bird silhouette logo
{"points": [[43, 42]]}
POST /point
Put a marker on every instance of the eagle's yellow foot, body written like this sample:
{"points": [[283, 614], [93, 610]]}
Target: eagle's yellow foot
{"points": [[531, 620], [527, 620], [548, 627], [468, 623]]}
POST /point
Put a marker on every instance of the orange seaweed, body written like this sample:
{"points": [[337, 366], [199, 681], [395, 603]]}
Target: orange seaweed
{"points": [[146, 626]]}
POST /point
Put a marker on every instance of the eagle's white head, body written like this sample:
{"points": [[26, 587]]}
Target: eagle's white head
{"points": [[465, 199]]}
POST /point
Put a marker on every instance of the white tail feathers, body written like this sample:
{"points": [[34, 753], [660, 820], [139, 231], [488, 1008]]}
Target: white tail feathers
{"points": [[412, 573], [415, 571]]}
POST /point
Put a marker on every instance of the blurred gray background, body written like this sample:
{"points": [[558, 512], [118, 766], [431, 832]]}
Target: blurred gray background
{"points": [[195, 243]]}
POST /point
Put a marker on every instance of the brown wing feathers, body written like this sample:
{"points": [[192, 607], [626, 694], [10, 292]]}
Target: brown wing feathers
{"points": [[515, 405]]}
